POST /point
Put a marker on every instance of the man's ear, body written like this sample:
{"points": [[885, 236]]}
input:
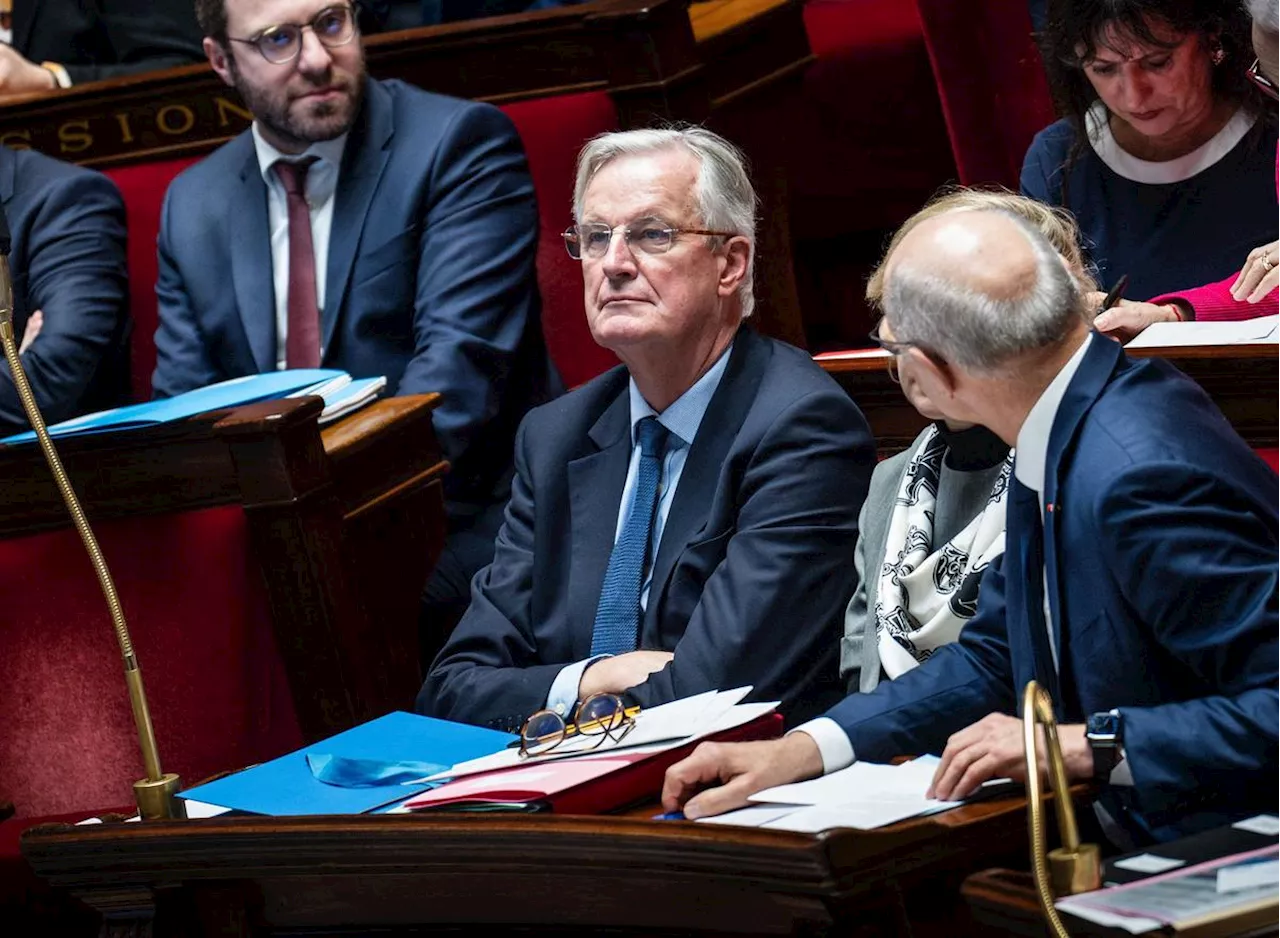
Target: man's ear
{"points": [[936, 378], [736, 256], [218, 59]]}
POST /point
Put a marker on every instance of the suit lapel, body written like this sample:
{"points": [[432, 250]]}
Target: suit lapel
{"points": [[251, 263], [596, 481], [1086, 385], [702, 468], [363, 162]]}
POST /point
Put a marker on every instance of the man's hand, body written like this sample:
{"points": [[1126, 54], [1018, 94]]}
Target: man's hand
{"points": [[992, 748], [18, 76], [742, 769], [616, 674], [1126, 319], [35, 322], [1259, 275]]}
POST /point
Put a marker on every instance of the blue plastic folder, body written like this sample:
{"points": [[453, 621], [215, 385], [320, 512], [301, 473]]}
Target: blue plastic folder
{"points": [[287, 786], [232, 393]]}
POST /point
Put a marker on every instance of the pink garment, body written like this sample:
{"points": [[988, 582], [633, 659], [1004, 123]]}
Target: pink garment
{"points": [[1214, 301]]}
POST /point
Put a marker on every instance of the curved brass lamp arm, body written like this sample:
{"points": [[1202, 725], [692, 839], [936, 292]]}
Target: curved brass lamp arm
{"points": [[1074, 867], [155, 793]]}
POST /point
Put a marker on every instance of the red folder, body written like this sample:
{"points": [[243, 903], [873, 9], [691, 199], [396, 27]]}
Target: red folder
{"points": [[587, 785]]}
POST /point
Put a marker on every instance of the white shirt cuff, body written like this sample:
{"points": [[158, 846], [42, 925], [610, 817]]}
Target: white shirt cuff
{"points": [[833, 743], [563, 696]]}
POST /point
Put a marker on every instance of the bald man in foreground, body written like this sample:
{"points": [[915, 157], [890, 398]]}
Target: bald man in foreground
{"points": [[1139, 581]]}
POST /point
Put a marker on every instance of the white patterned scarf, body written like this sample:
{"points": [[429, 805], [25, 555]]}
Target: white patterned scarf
{"points": [[926, 595]]}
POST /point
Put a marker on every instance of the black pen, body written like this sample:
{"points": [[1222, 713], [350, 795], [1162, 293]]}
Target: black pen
{"points": [[1114, 294]]}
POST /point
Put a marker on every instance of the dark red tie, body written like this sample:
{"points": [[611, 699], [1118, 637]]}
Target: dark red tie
{"points": [[302, 345]]}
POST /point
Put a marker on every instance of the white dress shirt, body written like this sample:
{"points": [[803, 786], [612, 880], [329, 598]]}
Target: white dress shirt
{"points": [[1032, 448], [682, 419], [322, 183]]}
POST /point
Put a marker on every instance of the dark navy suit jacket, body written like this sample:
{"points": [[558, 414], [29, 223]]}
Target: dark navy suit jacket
{"points": [[753, 571], [67, 259], [430, 277], [1161, 557]]}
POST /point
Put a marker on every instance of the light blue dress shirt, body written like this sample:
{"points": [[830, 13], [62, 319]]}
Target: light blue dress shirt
{"points": [[682, 419]]}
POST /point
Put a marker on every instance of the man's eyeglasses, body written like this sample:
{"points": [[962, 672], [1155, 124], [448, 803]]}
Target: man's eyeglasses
{"points": [[603, 716], [894, 348], [1265, 84], [334, 26], [650, 235]]}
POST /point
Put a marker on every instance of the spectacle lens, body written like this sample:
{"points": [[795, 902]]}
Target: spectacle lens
{"points": [[542, 732]]}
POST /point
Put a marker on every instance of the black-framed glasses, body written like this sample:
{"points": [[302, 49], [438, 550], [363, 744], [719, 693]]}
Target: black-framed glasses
{"points": [[1264, 84], [334, 26], [650, 235], [603, 716], [894, 348]]}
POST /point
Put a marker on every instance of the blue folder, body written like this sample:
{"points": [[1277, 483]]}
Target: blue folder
{"points": [[286, 786], [232, 393]]}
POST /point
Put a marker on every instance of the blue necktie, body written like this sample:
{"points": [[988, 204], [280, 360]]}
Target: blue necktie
{"points": [[618, 615]]}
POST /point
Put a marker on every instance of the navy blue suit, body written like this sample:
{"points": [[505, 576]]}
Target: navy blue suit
{"points": [[67, 259], [430, 277], [752, 573], [1160, 551]]}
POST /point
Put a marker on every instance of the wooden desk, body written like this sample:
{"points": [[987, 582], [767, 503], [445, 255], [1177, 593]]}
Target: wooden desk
{"points": [[554, 874], [1241, 379], [345, 523]]}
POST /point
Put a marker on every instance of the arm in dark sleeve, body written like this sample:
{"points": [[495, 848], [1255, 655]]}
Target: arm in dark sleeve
{"points": [[477, 285], [958, 685], [74, 271], [144, 36], [1036, 173], [1199, 567], [487, 671], [183, 362], [770, 614]]}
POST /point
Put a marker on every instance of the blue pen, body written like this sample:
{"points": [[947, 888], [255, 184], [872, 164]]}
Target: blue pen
{"points": [[670, 816]]}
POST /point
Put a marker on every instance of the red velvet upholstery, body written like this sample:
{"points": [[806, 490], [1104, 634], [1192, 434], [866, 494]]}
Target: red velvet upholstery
{"points": [[992, 83], [197, 612], [143, 187], [553, 130], [868, 135]]}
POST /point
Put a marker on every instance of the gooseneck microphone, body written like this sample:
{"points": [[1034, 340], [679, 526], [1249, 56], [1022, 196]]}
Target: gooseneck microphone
{"points": [[155, 793]]}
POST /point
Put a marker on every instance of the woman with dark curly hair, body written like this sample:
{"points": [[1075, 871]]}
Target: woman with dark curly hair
{"points": [[1166, 155]]}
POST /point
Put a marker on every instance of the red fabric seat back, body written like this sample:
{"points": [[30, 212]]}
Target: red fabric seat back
{"points": [[143, 186], [995, 96], [197, 613], [553, 131]]}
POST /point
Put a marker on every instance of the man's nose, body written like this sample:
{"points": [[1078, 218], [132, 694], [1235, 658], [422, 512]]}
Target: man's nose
{"points": [[314, 57], [619, 261]]}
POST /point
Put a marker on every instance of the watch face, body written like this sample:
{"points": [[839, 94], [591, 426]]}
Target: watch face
{"points": [[1103, 724]]}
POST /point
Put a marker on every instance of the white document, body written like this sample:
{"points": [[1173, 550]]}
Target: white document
{"points": [[755, 815], [1148, 863], [1266, 824], [1248, 875], [663, 727], [1179, 334]]}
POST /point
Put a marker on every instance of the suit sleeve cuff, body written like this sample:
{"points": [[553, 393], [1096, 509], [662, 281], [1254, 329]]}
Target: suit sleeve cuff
{"points": [[833, 743], [563, 696]]}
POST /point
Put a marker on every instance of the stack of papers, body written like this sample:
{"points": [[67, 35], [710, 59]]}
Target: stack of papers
{"points": [[341, 393], [1222, 889], [863, 796], [1262, 330]]}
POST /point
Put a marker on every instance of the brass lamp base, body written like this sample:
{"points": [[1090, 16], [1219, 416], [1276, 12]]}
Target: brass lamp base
{"points": [[157, 801], [1075, 871]]}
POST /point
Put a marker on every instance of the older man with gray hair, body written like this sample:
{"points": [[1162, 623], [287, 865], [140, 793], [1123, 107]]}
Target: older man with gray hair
{"points": [[1138, 585], [684, 522]]}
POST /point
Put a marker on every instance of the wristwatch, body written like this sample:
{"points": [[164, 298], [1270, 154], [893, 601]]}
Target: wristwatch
{"points": [[1105, 732]]}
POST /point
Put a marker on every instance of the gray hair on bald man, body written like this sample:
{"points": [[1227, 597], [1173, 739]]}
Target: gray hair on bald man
{"points": [[977, 332], [725, 196], [1266, 15]]}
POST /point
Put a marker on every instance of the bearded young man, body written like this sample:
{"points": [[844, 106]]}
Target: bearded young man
{"points": [[362, 225]]}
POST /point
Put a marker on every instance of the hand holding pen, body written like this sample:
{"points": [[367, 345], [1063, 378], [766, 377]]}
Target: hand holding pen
{"points": [[1121, 319]]}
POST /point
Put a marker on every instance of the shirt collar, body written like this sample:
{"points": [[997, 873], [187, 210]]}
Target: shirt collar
{"points": [[1032, 450], [685, 414], [327, 151]]}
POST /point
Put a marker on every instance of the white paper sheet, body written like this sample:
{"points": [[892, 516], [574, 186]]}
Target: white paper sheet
{"points": [[755, 815], [1148, 863], [1266, 824], [1248, 875], [1180, 334]]}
